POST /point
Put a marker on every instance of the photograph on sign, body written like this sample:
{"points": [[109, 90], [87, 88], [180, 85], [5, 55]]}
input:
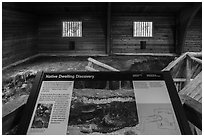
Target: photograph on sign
{"points": [[42, 116], [102, 107], [51, 110]]}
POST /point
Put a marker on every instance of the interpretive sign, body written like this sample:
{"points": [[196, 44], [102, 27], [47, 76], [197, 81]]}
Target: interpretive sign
{"points": [[120, 103], [51, 111]]}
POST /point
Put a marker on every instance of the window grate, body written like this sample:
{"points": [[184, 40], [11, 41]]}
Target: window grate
{"points": [[72, 29], [142, 29]]}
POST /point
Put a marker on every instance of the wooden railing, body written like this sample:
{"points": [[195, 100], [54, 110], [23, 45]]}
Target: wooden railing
{"points": [[180, 83], [189, 67], [186, 72], [182, 69]]}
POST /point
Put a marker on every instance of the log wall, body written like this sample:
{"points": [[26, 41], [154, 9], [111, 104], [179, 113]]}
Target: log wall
{"points": [[161, 42], [93, 40], [19, 39], [28, 33], [193, 40]]}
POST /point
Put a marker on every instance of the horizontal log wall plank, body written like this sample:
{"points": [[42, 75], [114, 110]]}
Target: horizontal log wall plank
{"points": [[93, 38], [124, 42], [193, 40], [19, 35]]}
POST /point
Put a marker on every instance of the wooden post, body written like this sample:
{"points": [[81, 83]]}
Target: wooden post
{"points": [[108, 35], [188, 70], [193, 110]]}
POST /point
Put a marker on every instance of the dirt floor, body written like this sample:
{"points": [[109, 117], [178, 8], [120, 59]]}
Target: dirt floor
{"points": [[18, 80], [136, 63]]}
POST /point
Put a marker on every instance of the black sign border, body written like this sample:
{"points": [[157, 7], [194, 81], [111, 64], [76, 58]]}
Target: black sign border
{"points": [[166, 76]]}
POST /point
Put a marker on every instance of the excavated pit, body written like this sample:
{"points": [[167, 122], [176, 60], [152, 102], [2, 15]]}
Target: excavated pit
{"points": [[17, 81]]}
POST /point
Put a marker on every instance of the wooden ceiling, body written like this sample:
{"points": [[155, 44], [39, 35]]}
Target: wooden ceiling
{"points": [[40, 8]]}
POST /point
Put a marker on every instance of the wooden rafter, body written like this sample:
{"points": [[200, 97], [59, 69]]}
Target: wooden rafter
{"points": [[183, 22]]}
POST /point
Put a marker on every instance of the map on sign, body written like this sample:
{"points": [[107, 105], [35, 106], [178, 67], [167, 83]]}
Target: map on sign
{"points": [[155, 109]]}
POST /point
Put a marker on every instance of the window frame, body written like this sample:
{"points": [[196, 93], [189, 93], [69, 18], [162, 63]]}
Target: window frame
{"points": [[133, 29], [72, 21]]}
